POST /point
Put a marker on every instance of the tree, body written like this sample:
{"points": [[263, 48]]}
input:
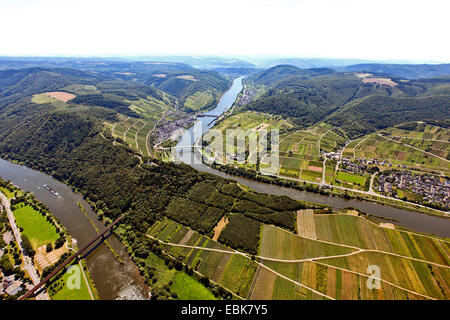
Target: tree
{"points": [[26, 244], [60, 242], [49, 247], [6, 265]]}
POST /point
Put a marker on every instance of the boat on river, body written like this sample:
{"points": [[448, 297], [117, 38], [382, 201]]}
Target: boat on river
{"points": [[56, 194]]}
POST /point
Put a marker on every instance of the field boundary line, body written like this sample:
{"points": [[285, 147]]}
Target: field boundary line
{"points": [[403, 137], [296, 282], [356, 146], [136, 136], [367, 276], [410, 146], [313, 259], [377, 225], [360, 250]]}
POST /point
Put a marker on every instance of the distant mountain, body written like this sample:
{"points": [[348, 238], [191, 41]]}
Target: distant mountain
{"points": [[191, 84], [277, 73], [407, 71], [308, 96], [306, 63], [376, 112], [201, 62], [176, 78]]}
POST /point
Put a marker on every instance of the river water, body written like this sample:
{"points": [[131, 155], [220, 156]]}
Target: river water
{"points": [[122, 281], [112, 279], [410, 219]]}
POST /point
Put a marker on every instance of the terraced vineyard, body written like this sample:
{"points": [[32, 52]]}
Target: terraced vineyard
{"points": [[234, 271], [136, 132], [419, 154], [331, 262], [199, 100]]}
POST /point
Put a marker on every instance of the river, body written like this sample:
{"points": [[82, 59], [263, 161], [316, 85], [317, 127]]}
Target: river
{"points": [[412, 220], [122, 281], [112, 279]]}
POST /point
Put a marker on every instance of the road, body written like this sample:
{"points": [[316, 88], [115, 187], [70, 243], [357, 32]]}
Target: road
{"points": [[28, 263], [366, 193], [322, 184], [372, 178]]}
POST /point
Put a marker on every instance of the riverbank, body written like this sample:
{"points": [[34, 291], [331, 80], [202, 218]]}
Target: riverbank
{"points": [[329, 190], [38, 228], [113, 280], [408, 218]]}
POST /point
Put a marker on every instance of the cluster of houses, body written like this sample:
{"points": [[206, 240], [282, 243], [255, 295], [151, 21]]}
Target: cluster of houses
{"points": [[331, 155], [355, 167], [9, 285], [247, 96], [431, 189], [167, 128]]}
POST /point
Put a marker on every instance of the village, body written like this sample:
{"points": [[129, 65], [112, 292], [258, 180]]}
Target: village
{"points": [[169, 128], [430, 189]]}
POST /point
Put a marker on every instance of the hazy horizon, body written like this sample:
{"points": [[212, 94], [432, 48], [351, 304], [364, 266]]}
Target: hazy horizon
{"points": [[383, 31]]}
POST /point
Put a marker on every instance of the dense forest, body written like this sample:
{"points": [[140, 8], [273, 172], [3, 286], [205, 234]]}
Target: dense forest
{"points": [[66, 143], [344, 100], [375, 112], [408, 71]]}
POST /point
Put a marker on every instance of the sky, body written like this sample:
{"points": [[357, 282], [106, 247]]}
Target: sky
{"points": [[407, 30]]}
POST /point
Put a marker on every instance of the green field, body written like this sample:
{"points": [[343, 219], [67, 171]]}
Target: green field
{"points": [[199, 100], [187, 288], [7, 193], [281, 244], [351, 177], [59, 289], [35, 226], [44, 98], [134, 131]]}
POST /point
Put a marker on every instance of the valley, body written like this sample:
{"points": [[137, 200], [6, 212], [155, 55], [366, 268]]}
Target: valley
{"points": [[303, 229]]}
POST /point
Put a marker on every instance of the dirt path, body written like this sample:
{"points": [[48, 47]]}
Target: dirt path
{"points": [[356, 146], [313, 260], [320, 139], [367, 276], [136, 137], [412, 147]]}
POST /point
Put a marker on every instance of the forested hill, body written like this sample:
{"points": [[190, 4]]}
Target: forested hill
{"points": [[407, 71], [102, 94], [277, 73], [376, 112], [175, 78], [369, 102], [17, 84], [184, 84]]}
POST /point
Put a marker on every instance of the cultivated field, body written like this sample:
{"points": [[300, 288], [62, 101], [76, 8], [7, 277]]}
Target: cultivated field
{"points": [[412, 266], [397, 152], [136, 133], [235, 272]]}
